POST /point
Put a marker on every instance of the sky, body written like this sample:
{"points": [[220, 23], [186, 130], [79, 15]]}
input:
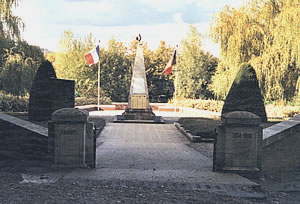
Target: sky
{"points": [[156, 20]]}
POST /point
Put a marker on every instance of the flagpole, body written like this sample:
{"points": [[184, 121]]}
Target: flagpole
{"points": [[98, 107], [176, 75]]}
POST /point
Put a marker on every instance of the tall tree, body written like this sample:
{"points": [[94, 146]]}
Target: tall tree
{"points": [[264, 34], [19, 62], [158, 84], [10, 24], [17, 74], [71, 64], [116, 70], [195, 67], [18, 59]]}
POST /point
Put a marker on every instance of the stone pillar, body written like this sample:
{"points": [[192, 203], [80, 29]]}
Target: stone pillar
{"points": [[238, 145], [68, 135], [90, 147]]}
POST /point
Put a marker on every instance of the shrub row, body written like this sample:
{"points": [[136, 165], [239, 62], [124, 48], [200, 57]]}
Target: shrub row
{"points": [[282, 111], [81, 101], [9, 103], [272, 110], [210, 105]]}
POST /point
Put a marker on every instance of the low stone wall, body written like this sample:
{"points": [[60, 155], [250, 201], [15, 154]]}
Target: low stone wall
{"points": [[22, 140], [187, 134], [281, 147]]}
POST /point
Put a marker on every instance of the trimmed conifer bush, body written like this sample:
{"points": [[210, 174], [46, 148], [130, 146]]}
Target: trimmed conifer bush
{"points": [[41, 96], [245, 94]]}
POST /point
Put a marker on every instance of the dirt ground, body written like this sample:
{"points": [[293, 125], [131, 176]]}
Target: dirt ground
{"points": [[14, 188], [278, 188]]}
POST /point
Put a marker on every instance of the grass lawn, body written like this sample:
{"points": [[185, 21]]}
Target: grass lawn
{"points": [[99, 123], [206, 128]]}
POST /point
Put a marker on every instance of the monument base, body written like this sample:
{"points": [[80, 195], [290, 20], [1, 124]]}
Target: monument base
{"points": [[65, 165], [138, 116], [250, 173]]}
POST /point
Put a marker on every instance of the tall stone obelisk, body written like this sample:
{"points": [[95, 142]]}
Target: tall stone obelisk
{"points": [[138, 108], [139, 97]]}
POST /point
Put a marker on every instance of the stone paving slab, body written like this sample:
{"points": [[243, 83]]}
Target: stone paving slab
{"points": [[152, 152]]}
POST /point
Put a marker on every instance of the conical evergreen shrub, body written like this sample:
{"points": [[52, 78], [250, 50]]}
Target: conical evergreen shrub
{"points": [[41, 94], [245, 94]]}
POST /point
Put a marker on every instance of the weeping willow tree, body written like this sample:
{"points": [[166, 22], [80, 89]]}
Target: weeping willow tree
{"points": [[10, 25], [266, 35], [17, 73], [18, 59]]}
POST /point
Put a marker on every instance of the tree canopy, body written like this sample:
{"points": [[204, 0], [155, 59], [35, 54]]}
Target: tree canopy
{"points": [[264, 34], [18, 59], [116, 64], [70, 63], [195, 67], [10, 24]]}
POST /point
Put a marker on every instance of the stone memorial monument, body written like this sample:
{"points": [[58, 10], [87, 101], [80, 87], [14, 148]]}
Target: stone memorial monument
{"points": [[71, 142], [49, 93], [238, 144], [138, 108]]}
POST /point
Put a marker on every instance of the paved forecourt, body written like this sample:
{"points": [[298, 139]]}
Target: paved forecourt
{"points": [[151, 152]]}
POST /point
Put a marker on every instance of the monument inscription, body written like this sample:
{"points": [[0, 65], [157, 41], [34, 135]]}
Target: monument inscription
{"points": [[70, 143], [138, 102], [70, 140], [68, 132], [238, 144]]}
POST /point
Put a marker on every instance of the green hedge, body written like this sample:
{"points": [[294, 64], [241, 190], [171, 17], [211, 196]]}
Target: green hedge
{"points": [[210, 105], [9, 103], [81, 101]]}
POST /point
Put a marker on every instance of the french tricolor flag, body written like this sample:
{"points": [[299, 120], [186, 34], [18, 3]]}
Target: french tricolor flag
{"points": [[93, 56]]}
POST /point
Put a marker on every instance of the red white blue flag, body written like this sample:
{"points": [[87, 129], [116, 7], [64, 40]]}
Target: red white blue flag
{"points": [[170, 64], [93, 56]]}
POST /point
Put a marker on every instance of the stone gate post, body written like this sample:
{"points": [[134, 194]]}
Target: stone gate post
{"points": [[238, 144], [71, 138]]}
